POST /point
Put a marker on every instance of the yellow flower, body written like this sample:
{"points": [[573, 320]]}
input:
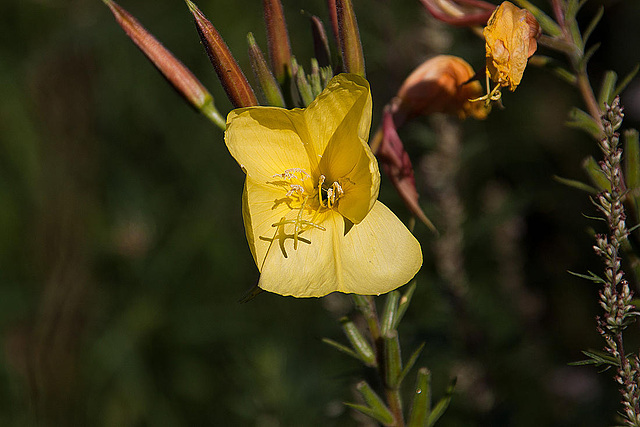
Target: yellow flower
{"points": [[310, 208], [511, 38]]}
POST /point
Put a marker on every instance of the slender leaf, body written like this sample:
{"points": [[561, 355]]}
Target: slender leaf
{"points": [[404, 302], [390, 312], [607, 89], [412, 361], [342, 348], [591, 276], [360, 344], [625, 82], [576, 184], [592, 24], [580, 120], [392, 361], [421, 406], [593, 170], [442, 405]]}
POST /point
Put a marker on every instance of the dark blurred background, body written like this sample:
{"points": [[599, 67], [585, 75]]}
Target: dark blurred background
{"points": [[123, 256]]}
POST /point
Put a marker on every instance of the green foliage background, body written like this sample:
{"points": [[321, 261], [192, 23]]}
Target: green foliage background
{"points": [[123, 257]]}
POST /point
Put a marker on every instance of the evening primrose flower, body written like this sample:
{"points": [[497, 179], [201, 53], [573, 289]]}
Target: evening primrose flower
{"points": [[511, 38], [310, 209]]}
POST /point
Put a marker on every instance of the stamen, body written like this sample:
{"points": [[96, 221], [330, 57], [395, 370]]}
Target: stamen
{"points": [[320, 182], [492, 96]]}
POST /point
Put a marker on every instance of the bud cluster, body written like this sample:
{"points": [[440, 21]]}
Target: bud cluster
{"points": [[616, 296]]}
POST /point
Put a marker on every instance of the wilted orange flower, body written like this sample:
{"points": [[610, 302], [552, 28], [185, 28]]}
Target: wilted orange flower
{"points": [[440, 85], [511, 38]]}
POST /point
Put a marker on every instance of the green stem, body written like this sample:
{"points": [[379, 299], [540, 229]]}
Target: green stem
{"points": [[210, 112], [582, 81], [367, 306]]}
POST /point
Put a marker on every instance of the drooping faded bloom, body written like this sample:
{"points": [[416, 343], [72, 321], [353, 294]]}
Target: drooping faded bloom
{"points": [[310, 208], [441, 84], [511, 38]]}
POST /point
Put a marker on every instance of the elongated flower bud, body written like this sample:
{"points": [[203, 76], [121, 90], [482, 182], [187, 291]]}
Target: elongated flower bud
{"points": [[278, 38], [349, 38], [268, 84], [179, 76], [320, 42], [231, 76]]}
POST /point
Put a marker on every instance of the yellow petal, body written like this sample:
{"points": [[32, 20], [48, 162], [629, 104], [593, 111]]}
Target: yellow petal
{"points": [[373, 257], [266, 141], [260, 209], [323, 116]]}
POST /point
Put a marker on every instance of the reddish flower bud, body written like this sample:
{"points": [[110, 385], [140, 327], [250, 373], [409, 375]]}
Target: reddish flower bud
{"points": [[278, 39], [231, 76], [179, 76], [349, 38], [320, 42], [461, 13]]}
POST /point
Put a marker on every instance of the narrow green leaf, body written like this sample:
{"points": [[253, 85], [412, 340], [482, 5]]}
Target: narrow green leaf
{"points": [[580, 120], [421, 406], [267, 81], [588, 54], [547, 24], [592, 25], [565, 75], [575, 184], [404, 302], [412, 361], [632, 160], [625, 82], [606, 94], [370, 413], [442, 405], [392, 359], [591, 276], [592, 168], [360, 344], [375, 406], [326, 74], [342, 348], [315, 79], [304, 88], [390, 312]]}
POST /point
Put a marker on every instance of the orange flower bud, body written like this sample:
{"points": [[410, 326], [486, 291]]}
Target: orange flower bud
{"points": [[440, 85], [511, 38]]}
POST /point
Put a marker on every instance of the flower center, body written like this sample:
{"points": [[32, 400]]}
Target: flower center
{"points": [[305, 196]]}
